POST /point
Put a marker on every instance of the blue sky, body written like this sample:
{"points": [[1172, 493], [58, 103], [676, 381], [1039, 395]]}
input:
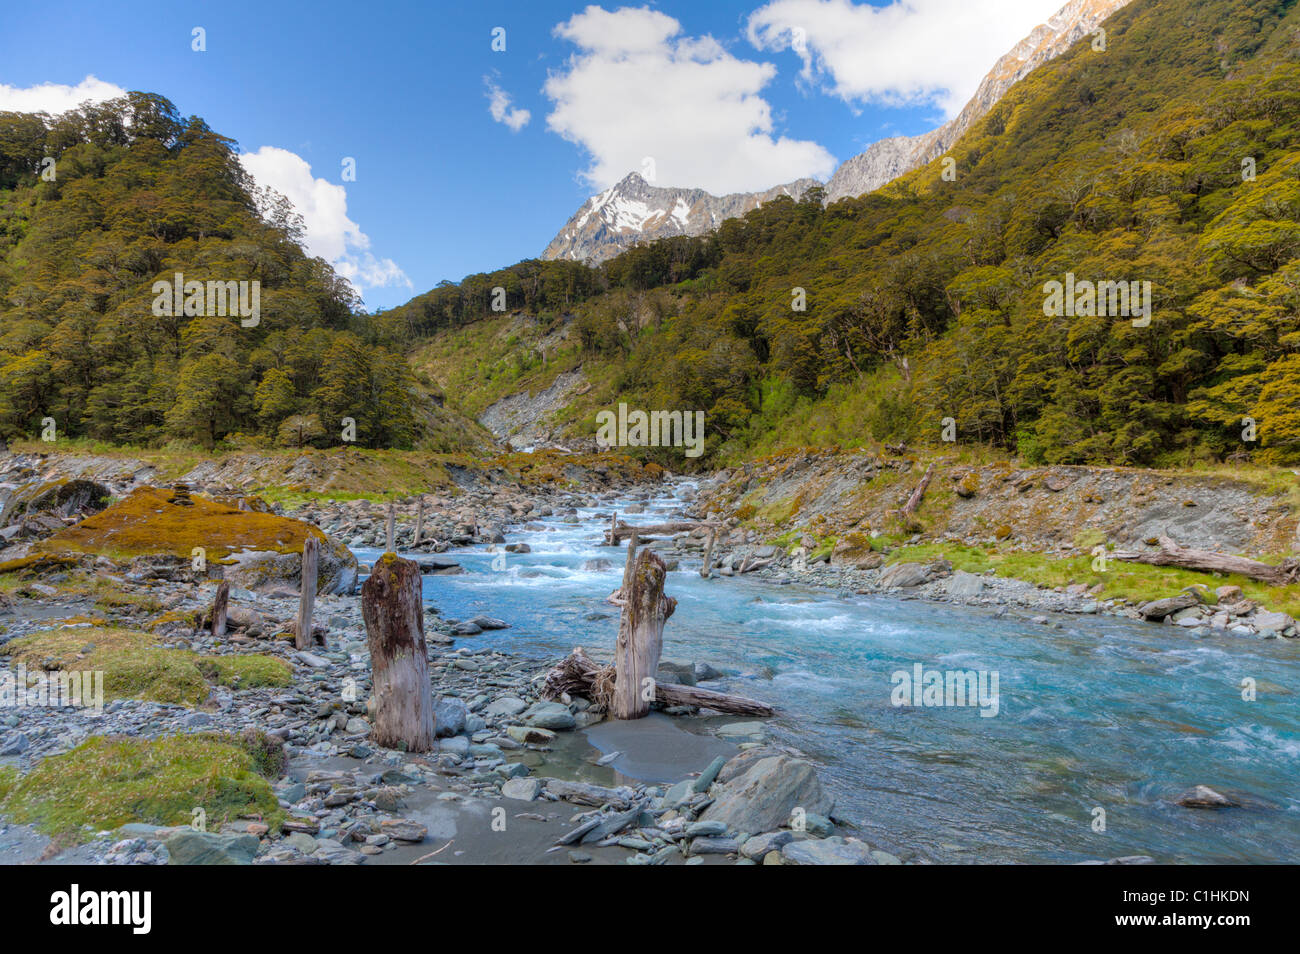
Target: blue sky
{"points": [[727, 96]]}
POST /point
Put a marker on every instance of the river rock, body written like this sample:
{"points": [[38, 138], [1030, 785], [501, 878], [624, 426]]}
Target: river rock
{"points": [[402, 829], [703, 671], [449, 714], [766, 795], [505, 706], [189, 847], [905, 575], [523, 789], [963, 585], [1158, 609], [1202, 796], [549, 715], [827, 851], [489, 622], [1276, 622], [675, 673], [760, 845], [530, 734]]}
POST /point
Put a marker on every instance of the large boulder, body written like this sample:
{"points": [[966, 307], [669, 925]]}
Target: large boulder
{"points": [[189, 847], [765, 796], [828, 851], [1157, 610], [905, 575], [62, 497], [257, 549]]}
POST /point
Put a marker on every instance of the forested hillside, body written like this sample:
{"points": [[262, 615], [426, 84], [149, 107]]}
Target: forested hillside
{"points": [[1171, 156], [98, 204]]}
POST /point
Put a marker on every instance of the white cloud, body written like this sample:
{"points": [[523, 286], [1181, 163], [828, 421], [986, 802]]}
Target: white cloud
{"points": [[323, 206], [910, 51], [637, 88], [54, 98], [499, 107]]}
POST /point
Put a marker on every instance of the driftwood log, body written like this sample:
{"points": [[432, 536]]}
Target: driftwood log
{"points": [[302, 638], [620, 531], [394, 618], [914, 501], [579, 675], [1171, 554], [640, 633]]}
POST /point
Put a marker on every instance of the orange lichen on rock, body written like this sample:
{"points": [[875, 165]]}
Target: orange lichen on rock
{"points": [[255, 548]]}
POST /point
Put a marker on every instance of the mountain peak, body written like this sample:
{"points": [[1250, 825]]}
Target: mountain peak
{"points": [[633, 211]]}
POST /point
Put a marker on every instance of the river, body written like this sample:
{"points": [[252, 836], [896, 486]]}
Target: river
{"points": [[1100, 721]]}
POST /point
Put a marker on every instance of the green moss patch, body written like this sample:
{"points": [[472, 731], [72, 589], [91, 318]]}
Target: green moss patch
{"points": [[110, 781], [135, 667], [246, 671], [1134, 582]]}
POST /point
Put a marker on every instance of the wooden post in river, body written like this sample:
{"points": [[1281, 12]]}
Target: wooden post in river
{"points": [[391, 538], [219, 609], [419, 522], [302, 638], [390, 607], [707, 570], [640, 633]]}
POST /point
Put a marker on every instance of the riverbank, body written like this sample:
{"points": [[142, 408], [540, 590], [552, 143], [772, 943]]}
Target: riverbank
{"points": [[542, 766], [510, 780]]}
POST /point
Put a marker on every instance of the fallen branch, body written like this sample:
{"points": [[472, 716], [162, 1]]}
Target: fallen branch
{"points": [[1171, 554], [619, 530], [750, 564], [578, 675], [914, 501]]}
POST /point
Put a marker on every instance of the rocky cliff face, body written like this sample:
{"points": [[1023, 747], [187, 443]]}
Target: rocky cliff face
{"points": [[888, 159], [635, 211]]}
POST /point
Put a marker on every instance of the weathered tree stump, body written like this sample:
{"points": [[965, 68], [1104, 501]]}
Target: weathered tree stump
{"points": [[394, 618], [707, 570], [302, 637], [219, 608], [640, 633]]}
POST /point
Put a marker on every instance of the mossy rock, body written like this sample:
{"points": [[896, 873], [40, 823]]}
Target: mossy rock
{"points": [[969, 484], [36, 563], [1002, 531], [61, 496], [257, 548], [856, 550], [110, 781]]}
